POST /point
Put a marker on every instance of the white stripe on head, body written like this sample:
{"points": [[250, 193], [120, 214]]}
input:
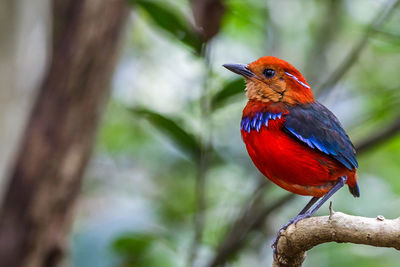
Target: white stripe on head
{"points": [[297, 80]]}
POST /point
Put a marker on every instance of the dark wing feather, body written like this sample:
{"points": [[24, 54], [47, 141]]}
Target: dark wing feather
{"points": [[316, 126]]}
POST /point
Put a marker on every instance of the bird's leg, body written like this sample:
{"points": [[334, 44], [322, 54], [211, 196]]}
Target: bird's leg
{"points": [[309, 205], [306, 213], [339, 184], [304, 210]]}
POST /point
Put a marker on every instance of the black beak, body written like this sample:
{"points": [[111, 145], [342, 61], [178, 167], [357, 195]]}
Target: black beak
{"points": [[239, 69]]}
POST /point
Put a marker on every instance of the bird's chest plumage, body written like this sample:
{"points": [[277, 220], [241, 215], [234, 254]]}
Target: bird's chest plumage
{"points": [[285, 161]]}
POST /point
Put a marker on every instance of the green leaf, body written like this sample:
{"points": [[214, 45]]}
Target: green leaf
{"points": [[133, 244], [184, 140], [230, 90], [142, 250], [171, 21]]}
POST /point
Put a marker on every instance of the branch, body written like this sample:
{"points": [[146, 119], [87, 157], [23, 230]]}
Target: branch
{"points": [[389, 35], [352, 57], [380, 137], [338, 227], [204, 162]]}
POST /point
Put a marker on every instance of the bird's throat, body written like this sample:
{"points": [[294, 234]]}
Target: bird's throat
{"points": [[260, 92]]}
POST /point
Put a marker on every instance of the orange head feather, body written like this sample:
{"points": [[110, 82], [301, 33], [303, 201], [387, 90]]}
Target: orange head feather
{"points": [[273, 79]]}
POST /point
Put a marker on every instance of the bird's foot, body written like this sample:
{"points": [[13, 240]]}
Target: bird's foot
{"points": [[294, 221]]}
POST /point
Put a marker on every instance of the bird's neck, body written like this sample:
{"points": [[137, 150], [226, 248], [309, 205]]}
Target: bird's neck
{"points": [[253, 107]]}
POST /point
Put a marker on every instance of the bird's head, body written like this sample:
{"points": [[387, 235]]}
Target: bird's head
{"points": [[273, 79]]}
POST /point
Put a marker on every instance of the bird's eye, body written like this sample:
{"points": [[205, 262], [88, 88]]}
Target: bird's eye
{"points": [[269, 73]]}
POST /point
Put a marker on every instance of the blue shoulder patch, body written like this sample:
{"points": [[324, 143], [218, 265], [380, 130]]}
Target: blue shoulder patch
{"points": [[317, 127], [258, 120]]}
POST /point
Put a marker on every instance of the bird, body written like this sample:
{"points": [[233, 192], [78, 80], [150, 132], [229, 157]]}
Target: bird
{"points": [[292, 139]]}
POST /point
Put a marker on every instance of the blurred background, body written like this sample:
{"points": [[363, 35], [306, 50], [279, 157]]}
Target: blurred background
{"points": [[169, 182]]}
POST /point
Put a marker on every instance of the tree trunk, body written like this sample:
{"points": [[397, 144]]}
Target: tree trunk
{"points": [[45, 181]]}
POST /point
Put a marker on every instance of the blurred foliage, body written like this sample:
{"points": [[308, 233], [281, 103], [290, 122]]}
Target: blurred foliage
{"points": [[184, 140], [169, 19], [153, 126], [246, 20], [121, 134], [137, 250], [228, 91]]}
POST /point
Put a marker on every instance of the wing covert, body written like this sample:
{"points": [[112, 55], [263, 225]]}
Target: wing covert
{"points": [[316, 126]]}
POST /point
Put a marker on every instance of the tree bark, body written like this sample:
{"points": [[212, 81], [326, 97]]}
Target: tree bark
{"points": [[338, 227], [46, 178]]}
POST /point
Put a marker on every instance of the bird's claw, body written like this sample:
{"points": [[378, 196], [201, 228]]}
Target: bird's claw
{"points": [[294, 221]]}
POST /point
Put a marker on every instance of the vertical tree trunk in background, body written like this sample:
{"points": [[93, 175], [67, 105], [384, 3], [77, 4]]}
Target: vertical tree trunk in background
{"points": [[23, 53], [44, 184]]}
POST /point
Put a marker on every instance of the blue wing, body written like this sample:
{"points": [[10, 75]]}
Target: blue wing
{"points": [[316, 126]]}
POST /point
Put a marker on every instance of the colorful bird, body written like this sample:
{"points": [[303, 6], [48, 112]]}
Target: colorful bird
{"points": [[292, 139]]}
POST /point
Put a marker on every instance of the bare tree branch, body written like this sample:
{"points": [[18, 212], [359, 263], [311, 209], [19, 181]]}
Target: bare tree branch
{"points": [[338, 227], [389, 35], [203, 164], [208, 16], [380, 137], [352, 57]]}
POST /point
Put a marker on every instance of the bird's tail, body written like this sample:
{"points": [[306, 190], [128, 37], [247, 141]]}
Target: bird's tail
{"points": [[354, 190], [353, 187]]}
